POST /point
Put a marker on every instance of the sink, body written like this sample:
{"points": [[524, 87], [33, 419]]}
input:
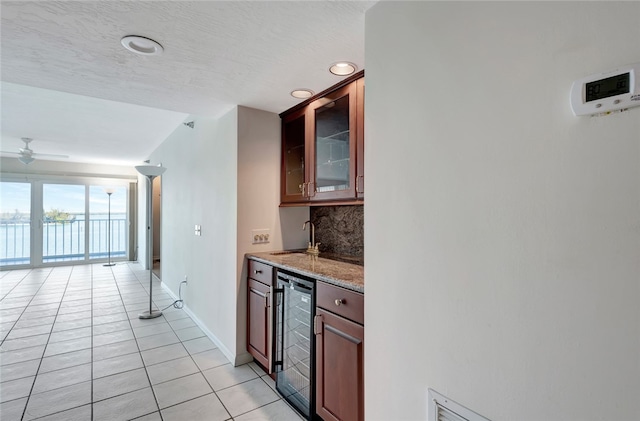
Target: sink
{"points": [[280, 253]]}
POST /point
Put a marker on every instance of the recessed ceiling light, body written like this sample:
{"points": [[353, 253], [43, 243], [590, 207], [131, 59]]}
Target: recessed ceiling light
{"points": [[302, 93], [141, 45], [342, 68]]}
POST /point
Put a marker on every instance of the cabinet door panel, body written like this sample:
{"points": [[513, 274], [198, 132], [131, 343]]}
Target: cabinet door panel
{"points": [[360, 139], [293, 178], [332, 170], [340, 368], [259, 322]]}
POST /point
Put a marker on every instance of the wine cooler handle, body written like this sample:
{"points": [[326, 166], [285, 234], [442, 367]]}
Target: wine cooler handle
{"points": [[277, 351]]}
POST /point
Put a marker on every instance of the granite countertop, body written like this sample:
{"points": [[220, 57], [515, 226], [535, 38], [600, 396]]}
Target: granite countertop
{"points": [[346, 275]]}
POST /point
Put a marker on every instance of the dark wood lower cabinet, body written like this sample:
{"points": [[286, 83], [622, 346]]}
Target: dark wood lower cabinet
{"points": [[259, 322], [339, 368], [339, 333]]}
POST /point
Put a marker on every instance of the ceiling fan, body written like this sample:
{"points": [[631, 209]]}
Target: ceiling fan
{"points": [[27, 155]]}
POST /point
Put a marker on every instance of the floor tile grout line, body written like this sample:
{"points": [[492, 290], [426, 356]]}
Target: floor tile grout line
{"points": [[196, 364], [58, 388], [172, 329], [26, 405], [91, 368], [213, 390], [197, 397], [199, 369], [261, 406], [29, 303], [18, 283], [40, 334], [153, 392]]}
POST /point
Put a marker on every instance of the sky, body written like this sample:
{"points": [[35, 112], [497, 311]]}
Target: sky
{"points": [[64, 197]]}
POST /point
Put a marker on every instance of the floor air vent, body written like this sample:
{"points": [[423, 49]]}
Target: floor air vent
{"points": [[442, 408]]}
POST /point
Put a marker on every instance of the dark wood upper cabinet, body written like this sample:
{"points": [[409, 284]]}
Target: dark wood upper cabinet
{"points": [[323, 147]]}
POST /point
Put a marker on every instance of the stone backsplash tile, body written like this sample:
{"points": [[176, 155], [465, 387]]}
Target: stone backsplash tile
{"points": [[339, 229]]}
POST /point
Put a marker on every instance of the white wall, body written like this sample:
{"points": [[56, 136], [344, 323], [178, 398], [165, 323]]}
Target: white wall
{"points": [[223, 175], [502, 233], [259, 198], [199, 187]]}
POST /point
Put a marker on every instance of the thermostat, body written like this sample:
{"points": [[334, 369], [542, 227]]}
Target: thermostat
{"points": [[605, 92]]}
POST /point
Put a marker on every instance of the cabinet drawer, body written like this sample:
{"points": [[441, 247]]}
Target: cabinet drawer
{"points": [[261, 272], [341, 301]]}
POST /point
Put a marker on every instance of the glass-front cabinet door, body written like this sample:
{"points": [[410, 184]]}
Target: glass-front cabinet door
{"points": [[293, 182], [332, 174]]}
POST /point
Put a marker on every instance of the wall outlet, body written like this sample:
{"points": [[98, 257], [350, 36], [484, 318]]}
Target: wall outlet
{"points": [[198, 230], [260, 236]]}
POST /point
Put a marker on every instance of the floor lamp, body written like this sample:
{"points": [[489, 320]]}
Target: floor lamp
{"points": [[151, 172], [109, 191]]}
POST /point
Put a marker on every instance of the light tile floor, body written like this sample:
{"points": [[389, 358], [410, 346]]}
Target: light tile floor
{"points": [[73, 348]]}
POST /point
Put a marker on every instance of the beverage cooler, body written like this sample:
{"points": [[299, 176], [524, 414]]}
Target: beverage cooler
{"points": [[294, 361]]}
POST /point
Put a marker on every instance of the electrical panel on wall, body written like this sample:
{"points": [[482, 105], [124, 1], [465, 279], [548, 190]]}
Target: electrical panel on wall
{"points": [[607, 92]]}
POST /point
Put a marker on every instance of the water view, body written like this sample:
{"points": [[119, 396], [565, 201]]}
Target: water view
{"points": [[74, 222], [63, 240]]}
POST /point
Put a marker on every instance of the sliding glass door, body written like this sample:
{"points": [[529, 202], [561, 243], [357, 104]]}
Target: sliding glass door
{"points": [[64, 221], [15, 223]]}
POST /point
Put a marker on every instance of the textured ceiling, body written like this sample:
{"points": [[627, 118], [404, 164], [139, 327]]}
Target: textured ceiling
{"points": [[115, 106]]}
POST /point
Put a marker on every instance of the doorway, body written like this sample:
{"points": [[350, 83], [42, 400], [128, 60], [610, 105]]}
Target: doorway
{"points": [[156, 203]]}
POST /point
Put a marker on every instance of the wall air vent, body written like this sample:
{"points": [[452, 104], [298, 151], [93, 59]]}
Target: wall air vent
{"points": [[442, 408]]}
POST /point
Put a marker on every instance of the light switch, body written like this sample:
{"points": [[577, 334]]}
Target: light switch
{"points": [[198, 230]]}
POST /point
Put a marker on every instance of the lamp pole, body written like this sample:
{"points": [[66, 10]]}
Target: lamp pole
{"points": [[151, 172], [109, 192]]}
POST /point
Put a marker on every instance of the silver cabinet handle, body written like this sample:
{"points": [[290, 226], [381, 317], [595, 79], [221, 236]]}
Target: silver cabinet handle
{"points": [[311, 190], [260, 293], [339, 301], [358, 177], [255, 272]]}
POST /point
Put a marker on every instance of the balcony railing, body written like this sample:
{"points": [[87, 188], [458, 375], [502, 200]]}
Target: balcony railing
{"points": [[63, 241]]}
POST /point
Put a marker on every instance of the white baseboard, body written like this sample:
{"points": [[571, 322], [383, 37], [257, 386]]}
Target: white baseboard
{"points": [[236, 360]]}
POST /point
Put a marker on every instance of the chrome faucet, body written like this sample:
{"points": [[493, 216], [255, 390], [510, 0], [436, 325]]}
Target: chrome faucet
{"points": [[312, 248]]}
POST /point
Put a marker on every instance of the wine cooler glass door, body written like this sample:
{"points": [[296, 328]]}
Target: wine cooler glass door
{"points": [[295, 376]]}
